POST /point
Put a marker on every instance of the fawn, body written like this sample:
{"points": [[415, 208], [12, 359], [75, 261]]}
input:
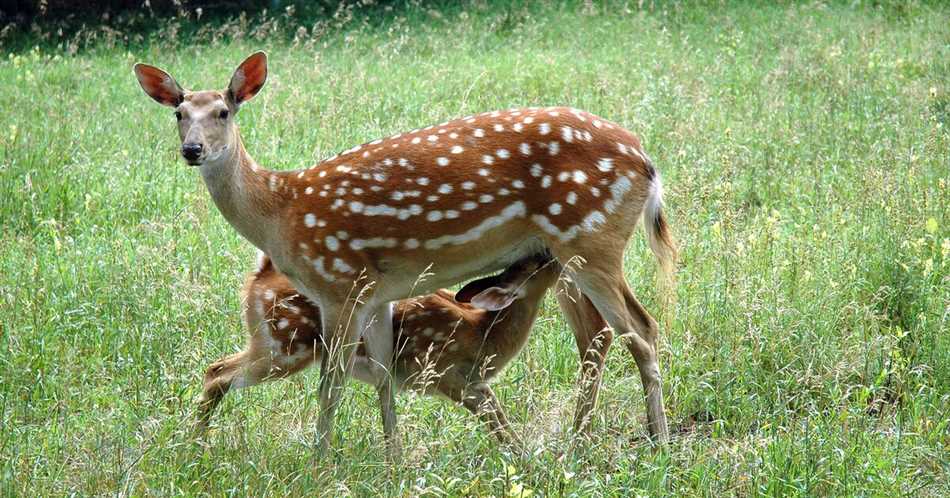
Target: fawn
{"points": [[443, 346], [453, 201]]}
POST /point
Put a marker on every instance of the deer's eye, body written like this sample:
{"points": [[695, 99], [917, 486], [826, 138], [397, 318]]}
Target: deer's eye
{"points": [[223, 115], [178, 115]]}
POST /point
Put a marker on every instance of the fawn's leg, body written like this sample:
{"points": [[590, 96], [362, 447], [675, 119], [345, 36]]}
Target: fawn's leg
{"points": [[260, 362], [479, 398]]}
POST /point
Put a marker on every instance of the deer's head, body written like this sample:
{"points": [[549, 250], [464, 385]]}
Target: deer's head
{"points": [[205, 118]]}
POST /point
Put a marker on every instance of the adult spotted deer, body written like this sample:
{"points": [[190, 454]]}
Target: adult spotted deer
{"points": [[442, 346], [451, 201]]}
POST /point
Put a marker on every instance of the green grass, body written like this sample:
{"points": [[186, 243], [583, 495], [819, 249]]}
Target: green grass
{"points": [[806, 155]]}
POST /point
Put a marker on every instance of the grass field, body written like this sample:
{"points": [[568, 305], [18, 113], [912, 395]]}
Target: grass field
{"points": [[806, 155]]}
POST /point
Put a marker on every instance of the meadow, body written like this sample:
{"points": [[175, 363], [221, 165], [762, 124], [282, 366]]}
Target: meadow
{"points": [[805, 152]]}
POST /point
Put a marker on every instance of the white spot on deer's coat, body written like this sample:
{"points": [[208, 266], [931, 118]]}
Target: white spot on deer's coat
{"points": [[445, 188], [332, 243], [571, 198], [525, 149], [499, 128], [517, 184], [416, 140], [283, 323], [375, 242], [563, 176], [457, 149], [479, 133], [318, 266], [485, 198], [308, 190], [617, 190], [553, 148], [592, 221], [554, 209], [546, 181], [468, 185], [567, 134], [434, 215], [433, 138], [422, 180], [442, 161], [579, 176], [451, 214], [502, 154], [544, 128], [379, 210], [411, 243], [310, 220], [469, 206], [605, 165], [488, 159], [483, 172], [514, 210], [536, 170], [342, 267]]}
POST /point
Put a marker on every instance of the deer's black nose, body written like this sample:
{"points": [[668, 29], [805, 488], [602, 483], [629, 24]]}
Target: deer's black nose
{"points": [[191, 151]]}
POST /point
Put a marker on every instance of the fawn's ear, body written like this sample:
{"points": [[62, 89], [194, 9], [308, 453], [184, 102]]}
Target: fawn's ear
{"points": [[159, 85], [248, 78], [496, 298], [485, 294]]}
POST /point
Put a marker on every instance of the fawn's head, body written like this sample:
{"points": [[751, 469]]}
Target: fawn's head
{"points": [[531, 274], [205, 118]]}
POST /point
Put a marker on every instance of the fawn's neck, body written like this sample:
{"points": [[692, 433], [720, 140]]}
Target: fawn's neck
{"points": [[518, 318], [239, 187]]}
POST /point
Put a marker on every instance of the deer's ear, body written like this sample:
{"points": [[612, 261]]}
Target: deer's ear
{"points": [[475, 287], [159, 85], [489, 293], [248, 78], [495, 298]]}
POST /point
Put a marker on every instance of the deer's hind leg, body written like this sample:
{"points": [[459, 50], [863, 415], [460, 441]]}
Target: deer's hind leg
{"points": [[601, 280], [593, 338]]}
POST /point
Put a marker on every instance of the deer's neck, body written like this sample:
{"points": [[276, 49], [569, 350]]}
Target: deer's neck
{"points": [[239, 187]]}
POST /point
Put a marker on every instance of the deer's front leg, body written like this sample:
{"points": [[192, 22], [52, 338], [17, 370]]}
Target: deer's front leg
{"points": [[379, 338], [340, 341]]}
